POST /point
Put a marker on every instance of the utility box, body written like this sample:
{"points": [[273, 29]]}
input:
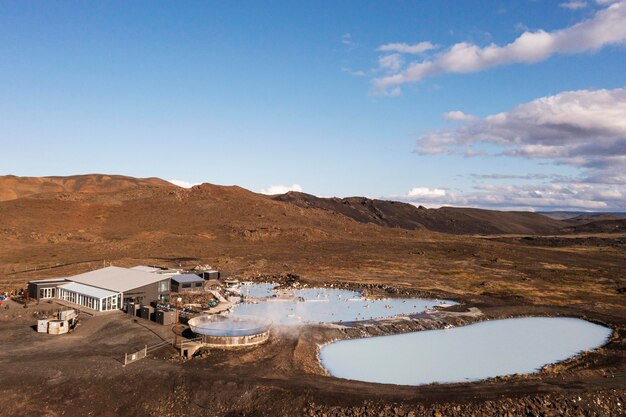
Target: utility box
{"points": [[58, 327], [133, 309], [147, 312], [42, 325], [211, 274], [166, 318], [67, 315]]}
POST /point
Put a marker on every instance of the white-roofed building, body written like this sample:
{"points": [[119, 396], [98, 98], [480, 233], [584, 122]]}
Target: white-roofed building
{"points": [[145, 268], [107, 288], [90, 297], [156, 270], [117, 279]]}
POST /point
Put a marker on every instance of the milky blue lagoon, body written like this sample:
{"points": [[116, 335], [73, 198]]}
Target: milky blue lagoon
{"points": [[325, 305], [468, 353]]}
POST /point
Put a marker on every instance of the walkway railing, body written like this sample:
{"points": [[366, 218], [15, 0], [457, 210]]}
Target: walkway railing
{"points": [[134, 357], [140, 354]]}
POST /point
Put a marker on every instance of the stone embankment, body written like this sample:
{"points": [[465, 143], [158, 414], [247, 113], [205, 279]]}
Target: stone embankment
{"points": [[600, 404]]}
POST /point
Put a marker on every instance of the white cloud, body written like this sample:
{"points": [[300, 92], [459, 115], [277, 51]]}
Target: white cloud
{"points": [[606, 27], [392, 62], [424, 192], [535, 176], [458, 116], [551, 196], [585, 128], [281, 189], [356, 73], [346, 39], [405, 48], [573, 5], [183, 184]]}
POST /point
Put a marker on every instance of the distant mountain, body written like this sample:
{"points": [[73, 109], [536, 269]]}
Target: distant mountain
{"points": [[97, 189], [582, 215], [601, 226], [446, 219], [594, 217], [13, 187]]}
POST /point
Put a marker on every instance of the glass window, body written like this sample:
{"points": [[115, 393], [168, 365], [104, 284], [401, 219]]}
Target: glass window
{"points": [[164, 285]]}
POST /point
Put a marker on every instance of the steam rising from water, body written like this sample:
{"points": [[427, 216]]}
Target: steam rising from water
{"points": [[325, 305], [214, 325]]}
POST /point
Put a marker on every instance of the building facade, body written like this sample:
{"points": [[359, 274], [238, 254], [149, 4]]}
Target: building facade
{"points": [[105, 289], [187, 282]]}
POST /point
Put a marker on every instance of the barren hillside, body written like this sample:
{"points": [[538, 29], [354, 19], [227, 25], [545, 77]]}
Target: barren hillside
{"points": [[12, 187], [446, 219], [599, 226]]}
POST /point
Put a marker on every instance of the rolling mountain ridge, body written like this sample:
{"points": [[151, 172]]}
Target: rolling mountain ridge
{"points": [[455, 220]]}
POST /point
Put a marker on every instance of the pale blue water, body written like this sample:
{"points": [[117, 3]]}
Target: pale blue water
{"points": [[266, 290], [326, 293], [261, 290], [327, 305], [469, 353]]}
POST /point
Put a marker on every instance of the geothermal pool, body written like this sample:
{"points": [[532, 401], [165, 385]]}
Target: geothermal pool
{"points": [[325, 305], [468, 353], [261, 290]]}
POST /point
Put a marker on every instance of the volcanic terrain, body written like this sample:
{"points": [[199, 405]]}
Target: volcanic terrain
{"points": [[503, 263]]}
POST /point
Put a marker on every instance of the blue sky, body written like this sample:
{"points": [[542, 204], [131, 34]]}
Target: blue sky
{"points": [[324, 97]]}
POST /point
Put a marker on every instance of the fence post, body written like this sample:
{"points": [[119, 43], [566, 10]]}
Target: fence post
{"points": [[125, 358]]}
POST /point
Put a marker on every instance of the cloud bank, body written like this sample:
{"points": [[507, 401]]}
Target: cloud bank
{"points": [[550, 196], [405, 48], [606, 27], [585, 129], [573, 5]]}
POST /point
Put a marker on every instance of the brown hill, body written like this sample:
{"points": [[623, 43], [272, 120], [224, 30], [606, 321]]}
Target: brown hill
{"points": [[580, 217], [229, 227], [595, 217], [12, 187], [600, 226], [446, 219]]}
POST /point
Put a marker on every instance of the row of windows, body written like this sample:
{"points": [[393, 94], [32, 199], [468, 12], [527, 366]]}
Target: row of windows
{"points": [[197, 284], [105, 304], [47, 292]]}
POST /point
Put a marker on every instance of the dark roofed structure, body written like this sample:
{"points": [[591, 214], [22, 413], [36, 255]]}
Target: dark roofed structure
{"points": [[187, 282]]}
